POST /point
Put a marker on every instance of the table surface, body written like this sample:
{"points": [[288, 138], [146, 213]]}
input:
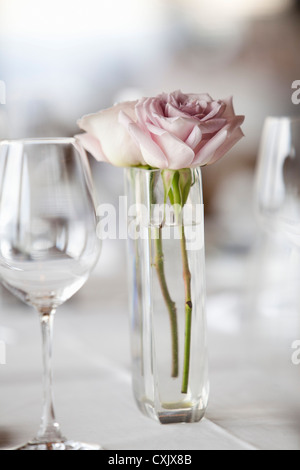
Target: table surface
{"points": [[254, 399]]}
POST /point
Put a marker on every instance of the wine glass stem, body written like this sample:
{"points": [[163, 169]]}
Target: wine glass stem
{"points": [[49, 429]]}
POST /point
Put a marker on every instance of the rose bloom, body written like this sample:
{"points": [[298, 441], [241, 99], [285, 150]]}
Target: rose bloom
{"points": [[171, 131]]}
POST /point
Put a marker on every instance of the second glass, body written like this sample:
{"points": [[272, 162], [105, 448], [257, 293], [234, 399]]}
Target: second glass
{"points": [[277, 195]]}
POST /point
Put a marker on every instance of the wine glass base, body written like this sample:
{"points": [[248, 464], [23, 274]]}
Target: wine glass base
{"points": [[65, 445]]}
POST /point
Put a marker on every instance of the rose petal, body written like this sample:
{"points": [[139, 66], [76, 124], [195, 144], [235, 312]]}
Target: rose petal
{"points": [[202, 97], [221, 143], [234, 135], [142, 112], [93, 146], [179, 155], [177, 96], [194, 138], [206, 153], [155, 111], [172, 111], [151, 152], [215, 109], [212, 126], [229, 110], [181, 127], [115, 142]]}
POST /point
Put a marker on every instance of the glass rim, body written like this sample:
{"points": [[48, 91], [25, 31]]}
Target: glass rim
{"points": [[282, 118], [157, 170], [40, 140]]}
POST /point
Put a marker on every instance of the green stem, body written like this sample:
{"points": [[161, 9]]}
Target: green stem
{"points": [[188, 313], [171, 306], [178, 200]]}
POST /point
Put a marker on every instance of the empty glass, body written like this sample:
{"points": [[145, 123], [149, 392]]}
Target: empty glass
{"points": [[48, 243], [277, 206], [278, 178]]}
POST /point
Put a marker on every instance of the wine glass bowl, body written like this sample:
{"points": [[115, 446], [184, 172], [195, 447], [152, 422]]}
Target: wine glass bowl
{"points": [[48, 242]]}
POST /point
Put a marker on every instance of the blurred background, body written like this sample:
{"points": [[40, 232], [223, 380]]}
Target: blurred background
{"points": [[61, 59]]}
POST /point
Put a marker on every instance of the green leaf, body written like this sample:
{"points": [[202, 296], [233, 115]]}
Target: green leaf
{"points": [[167, 177], [171, 197], [176, 189], [177, 185], [185, 183]]}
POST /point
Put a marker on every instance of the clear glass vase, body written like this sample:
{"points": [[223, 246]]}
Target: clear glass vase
{"points": [[167, 295]]}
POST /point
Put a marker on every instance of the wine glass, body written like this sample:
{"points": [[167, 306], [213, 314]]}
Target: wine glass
{"points": [[277, 208], [278, 178], [48, 243]]}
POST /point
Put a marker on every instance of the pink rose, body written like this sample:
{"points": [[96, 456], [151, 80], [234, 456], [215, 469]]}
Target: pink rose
{"points": [[172, 131]]}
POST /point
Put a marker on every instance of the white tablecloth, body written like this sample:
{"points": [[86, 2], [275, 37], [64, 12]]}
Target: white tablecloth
{"points": [[254, 400]]}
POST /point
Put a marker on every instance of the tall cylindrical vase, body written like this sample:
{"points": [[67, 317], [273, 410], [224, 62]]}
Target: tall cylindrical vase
{"points": [[167, 293]]}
